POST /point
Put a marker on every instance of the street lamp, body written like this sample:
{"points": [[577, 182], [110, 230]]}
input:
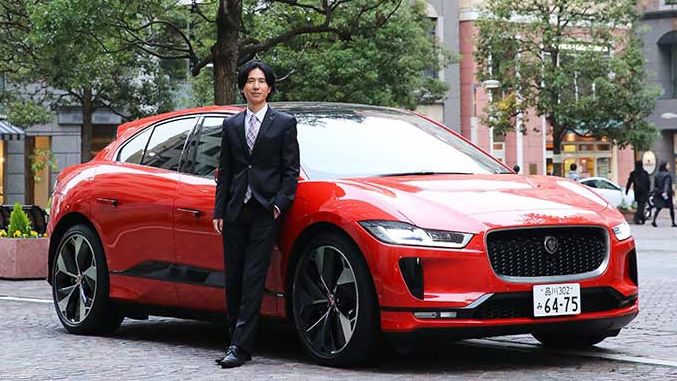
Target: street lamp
{"points": [[489, 84]]}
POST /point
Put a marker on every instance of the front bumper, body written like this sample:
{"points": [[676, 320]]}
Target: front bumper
{"points": [[593, 325], [462, 284]]}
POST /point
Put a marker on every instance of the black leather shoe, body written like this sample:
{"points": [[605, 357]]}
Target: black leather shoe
{"points": [[234, 357]]}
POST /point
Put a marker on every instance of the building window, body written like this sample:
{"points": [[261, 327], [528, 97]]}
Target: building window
{"points": [[432, 34]]}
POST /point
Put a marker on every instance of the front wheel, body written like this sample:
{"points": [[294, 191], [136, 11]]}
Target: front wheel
{"points": [[80, 284], [569, 340], [334, 303]]}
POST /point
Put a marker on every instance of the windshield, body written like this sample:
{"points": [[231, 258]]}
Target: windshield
{"points": [[361, 142]]}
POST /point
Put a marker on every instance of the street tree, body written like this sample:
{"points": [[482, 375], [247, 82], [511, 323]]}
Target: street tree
{"points": [[62, 54], [224, 34], [577, 63]]}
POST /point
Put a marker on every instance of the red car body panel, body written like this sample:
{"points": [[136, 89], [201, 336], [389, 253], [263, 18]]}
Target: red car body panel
{"points": [[154, 217]]}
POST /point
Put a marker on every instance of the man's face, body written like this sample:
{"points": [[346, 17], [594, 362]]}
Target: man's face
{"points": [[256, 88]]}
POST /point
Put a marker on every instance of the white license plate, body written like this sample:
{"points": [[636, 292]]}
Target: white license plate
{"points": [[557, 299]]}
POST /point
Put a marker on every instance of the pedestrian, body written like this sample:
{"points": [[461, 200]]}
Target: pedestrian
{"points": [[663, 193], [639, 179], [573, 175], [256, 183]]}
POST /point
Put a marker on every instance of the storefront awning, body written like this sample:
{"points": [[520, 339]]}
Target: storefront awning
{"points": [[10, 132]]}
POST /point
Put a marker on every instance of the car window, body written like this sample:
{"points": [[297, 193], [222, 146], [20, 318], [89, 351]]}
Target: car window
{"points": [[590, 183], [132, 152], [166, 143], [202, 155], [606, 185], [367, 142]]}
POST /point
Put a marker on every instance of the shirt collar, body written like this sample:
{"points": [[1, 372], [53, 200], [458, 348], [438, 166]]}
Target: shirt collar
{"points": [[259, 115]]}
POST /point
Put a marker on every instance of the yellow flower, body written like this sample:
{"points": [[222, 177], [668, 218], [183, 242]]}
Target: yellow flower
{"points": [[17, 234], [34, 234], [3, 233]]}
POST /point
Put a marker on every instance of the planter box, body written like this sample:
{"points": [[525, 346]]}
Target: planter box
{"points": [[23, 258], [629, 215]]}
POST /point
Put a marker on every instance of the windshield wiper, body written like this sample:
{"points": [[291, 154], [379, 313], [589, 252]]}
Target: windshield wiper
{"points": [[423, 173]]}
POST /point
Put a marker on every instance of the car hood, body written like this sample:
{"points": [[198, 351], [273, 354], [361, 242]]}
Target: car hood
{"points": [[476, 202]]}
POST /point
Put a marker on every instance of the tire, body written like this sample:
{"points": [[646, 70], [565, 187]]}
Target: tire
{"points": [[80, 284], [647, 211], [569, 340], [334, 304]]}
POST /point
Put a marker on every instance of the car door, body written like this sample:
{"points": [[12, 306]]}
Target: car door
{"points": [[612, 193], [199, 249], [133, 199]]}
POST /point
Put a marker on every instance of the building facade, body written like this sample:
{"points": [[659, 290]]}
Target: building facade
{"points": [[533, 151], [659, 19], [61, 137]]}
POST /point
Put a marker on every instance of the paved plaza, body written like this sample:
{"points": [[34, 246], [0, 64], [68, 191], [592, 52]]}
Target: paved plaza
{"points": [[34, 346]]}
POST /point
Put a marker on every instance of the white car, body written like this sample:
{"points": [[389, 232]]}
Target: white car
{"points": [[611, 191]]}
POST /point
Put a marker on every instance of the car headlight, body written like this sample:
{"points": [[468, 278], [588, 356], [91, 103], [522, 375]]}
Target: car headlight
{"points": [[622, 231], [402, 233]]}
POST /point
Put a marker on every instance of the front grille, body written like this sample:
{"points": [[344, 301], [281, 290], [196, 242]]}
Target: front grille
{"points": [[522, 252], [520, 304]]}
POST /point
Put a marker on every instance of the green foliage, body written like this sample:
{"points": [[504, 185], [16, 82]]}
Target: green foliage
{"points": [[25, 113], [19, 224], [383, 66], [576, 62], [39, 159], [64, 53]]}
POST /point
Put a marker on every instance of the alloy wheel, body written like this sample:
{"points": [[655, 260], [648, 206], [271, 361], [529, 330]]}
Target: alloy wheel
{"points": [[75, 279], [325, 300]]}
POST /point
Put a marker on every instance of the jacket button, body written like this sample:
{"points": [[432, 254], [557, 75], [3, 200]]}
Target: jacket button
{"points": [[250, 166]]}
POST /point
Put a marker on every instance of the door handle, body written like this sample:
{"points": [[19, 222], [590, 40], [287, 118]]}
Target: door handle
{"points": [[110, 201], [194, 212]]}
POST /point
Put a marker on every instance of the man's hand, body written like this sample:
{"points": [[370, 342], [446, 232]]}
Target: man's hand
{"points": [[665, 196], [218, 225], [276, 212]]}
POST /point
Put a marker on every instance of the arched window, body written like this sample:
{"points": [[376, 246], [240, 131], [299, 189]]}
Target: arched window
{"points": [[667, 74]]}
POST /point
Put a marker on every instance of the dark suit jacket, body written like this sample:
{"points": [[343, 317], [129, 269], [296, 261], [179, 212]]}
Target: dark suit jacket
{"points": [[272, 169]]}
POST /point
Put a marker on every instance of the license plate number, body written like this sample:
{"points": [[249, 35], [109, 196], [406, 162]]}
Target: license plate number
{"points": [[557, 299]]}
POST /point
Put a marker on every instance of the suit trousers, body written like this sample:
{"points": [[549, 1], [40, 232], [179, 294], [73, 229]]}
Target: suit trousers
{"points": [[248, 244]]}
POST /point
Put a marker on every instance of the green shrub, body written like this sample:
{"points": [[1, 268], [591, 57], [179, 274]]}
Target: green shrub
{"points": [[19, 222]]}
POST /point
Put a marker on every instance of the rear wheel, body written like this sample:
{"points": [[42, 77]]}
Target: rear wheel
{"points": [[569, 340], [334, 303], [80, 284]]}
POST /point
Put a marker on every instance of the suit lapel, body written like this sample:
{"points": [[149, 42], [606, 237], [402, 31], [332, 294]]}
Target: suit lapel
{"points": [[239, 122], [267, 121]]}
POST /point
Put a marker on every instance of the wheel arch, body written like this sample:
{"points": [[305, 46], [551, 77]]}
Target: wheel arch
{"points": [[65, 223], [297, 250]]}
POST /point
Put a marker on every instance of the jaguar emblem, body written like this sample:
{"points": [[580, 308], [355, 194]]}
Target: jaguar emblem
{"points": [[551, 244]]}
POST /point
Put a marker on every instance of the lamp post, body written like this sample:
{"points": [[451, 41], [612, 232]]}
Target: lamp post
{"points": [[489, 84]]}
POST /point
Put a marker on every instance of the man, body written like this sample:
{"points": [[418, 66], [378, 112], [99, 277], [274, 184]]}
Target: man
{"points": [[257, 178], [639, 179], [573, 175]]}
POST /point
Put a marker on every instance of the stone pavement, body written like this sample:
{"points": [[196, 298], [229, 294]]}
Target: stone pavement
{"points": [[34, 346]]}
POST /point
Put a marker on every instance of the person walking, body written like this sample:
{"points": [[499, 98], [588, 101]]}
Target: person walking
{"points": [[639, 180], [573, 175], [256, 182], [663, 193]]}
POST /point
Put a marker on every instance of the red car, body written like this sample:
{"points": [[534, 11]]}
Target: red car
{"points": [[400, 227]]}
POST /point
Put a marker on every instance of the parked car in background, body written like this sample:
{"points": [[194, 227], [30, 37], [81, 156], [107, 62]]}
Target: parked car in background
{"points": [[611, 191], [400, 226]]}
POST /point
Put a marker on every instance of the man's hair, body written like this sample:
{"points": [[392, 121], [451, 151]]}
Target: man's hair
{"points": [[663, 166], [573, 166], [251, 65]]}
